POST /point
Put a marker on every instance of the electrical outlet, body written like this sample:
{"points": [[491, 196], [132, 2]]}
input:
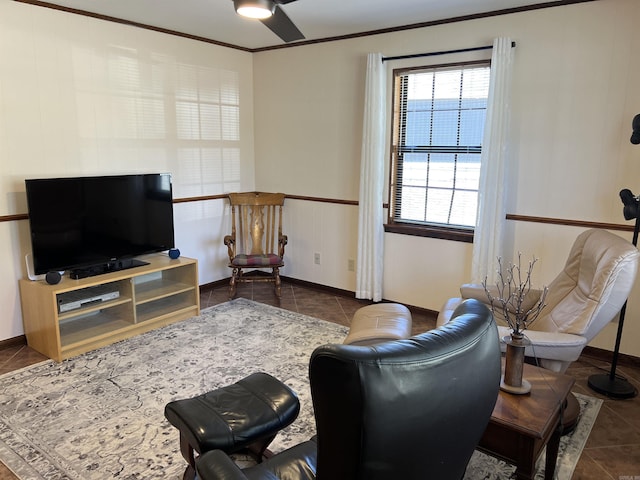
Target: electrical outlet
{"points": [[316, 258], [351, 265]]}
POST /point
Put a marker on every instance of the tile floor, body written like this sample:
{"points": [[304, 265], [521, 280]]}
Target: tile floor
{"points": [[612, 451]]}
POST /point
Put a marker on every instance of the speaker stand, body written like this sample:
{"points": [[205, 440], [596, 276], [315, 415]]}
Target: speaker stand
{"points": [[612, 385], [617, 387]]}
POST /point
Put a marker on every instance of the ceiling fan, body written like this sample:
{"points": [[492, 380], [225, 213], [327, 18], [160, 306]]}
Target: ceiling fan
{"points": [[270, 14]]}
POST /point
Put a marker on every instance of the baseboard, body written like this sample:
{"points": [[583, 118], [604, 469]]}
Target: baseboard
{"points": [[322, 288], [351, 294], [216, 284], [607, 356], [257, 273], [18, 341], [315, 286], [593, 352]]}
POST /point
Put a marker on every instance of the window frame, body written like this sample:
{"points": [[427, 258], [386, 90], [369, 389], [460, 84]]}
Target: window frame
{"points": [[433, 230]]}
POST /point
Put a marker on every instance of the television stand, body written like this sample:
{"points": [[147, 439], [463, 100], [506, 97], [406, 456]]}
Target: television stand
{"points": [[102, 268], [108, 308]]}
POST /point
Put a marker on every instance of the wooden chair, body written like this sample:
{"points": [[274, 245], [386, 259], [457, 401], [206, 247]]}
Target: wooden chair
{"points": [[256, 240]]}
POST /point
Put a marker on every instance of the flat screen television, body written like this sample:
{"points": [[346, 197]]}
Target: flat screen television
{"points": [[93, 225]]}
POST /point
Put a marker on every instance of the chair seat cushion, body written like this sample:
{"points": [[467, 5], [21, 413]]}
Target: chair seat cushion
{"points": [[267, 260], [299, 462]]}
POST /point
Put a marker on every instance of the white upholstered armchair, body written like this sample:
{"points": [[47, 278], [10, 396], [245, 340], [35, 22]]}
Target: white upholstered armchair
{"points": [[587, 294]]}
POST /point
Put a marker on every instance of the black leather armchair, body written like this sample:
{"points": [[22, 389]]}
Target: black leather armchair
{"points": [[405, 409]]}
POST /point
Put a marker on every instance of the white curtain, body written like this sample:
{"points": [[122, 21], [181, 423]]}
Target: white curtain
{"points": [[370, 214], [489, 241]]}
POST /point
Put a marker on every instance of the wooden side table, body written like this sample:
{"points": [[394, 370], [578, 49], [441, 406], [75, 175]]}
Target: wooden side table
{"points": [[521, 425]]}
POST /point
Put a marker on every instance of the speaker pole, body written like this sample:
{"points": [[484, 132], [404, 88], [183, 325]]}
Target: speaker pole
{"points": [[611, 385]]}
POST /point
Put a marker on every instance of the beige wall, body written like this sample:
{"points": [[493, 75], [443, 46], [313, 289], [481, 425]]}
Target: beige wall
{"points": [[575, 92], [80, 96]]}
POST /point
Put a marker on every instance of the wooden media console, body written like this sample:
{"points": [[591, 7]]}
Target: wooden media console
{"points": [[76, 316]]}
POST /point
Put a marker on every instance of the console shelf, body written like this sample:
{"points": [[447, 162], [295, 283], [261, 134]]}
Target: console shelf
{"points": [[133, 301]]}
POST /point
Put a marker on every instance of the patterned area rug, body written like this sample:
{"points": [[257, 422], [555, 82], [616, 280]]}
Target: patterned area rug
{"points": [[100, 415]]}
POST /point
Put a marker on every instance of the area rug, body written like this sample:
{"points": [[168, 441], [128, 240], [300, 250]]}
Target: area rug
{"points": [[100, 415]]}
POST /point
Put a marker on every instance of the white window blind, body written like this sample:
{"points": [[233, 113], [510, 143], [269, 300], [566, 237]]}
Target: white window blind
{"points": [[439, 116]]}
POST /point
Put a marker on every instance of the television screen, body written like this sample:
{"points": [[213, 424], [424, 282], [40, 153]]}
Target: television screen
{"points": [[83, 222]]}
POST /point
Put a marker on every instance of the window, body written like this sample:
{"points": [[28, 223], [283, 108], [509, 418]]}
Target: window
{"points": [[438, 122]]}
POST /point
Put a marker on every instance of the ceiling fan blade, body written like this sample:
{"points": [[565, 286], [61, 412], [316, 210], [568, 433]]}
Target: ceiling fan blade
{"points": [[280, 24], [283, 2]]}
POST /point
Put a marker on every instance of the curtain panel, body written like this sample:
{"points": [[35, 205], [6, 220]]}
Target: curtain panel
{"points": [[370, 214], [489, 241]]}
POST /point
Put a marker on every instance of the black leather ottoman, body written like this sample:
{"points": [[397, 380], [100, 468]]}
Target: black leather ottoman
{"points": [[246, 415]]}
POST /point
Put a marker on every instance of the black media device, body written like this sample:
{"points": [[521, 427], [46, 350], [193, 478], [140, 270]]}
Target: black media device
{"points": [[95, 225]]}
